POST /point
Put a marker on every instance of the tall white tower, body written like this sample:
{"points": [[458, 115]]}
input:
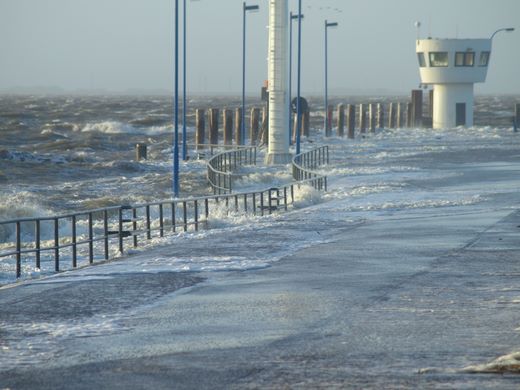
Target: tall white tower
{"points": [[453, 66], [278, 152]]}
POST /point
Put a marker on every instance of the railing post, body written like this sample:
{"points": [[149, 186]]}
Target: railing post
{"points": [[18, 250], [74, 243], [196, 211], [185, 215], [134, 225], [174, 227], [206, 206], [120, 229], [105, 222], [56, 244], [38, 243], [148, 224], [90, 239], [161, 220]]}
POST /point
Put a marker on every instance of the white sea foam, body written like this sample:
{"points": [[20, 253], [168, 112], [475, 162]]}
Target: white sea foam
{"points": [[113, 127]]}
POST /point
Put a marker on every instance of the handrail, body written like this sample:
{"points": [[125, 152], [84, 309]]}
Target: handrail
{"points": [[220, 167], [303, 165], [85, 237], [103, 233]]}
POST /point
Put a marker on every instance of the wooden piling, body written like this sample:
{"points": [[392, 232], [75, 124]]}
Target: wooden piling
{"points": [[391, 116], [372, 117], [380, 116], [328, 130], [409, 114], [341, 120], [227, 118], [399, 116], [238, 126], [517, 114], [213, 116], [141, 152], [351, 121], [362, 118], [265, 126], [200, 125], [306, 123], [417, 107], [254, 125]]}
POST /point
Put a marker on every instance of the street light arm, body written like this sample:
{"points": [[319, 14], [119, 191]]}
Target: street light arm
{"points": [[508, 29]]}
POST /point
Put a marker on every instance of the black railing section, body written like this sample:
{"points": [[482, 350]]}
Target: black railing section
{"points": [[304, 164], [222, 165]]}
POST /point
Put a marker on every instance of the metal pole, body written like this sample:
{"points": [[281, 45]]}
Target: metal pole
{"points": [[298, 105], [326, 121], [176, 106], [242, 127], [290, 75], [184, 148]]}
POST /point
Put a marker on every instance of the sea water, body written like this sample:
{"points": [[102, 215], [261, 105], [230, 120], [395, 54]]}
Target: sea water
{"points": [[60, 154]]}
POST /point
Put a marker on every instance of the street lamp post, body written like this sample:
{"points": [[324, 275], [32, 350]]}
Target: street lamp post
{"points": [[298, 103], [292, 17], [326, 121], [246, 8], [176, 106]]}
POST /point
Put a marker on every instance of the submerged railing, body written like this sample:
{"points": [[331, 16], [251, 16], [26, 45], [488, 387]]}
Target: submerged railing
{"points": [[82, 238], [303, 165], [222, 165], [96, 235]]}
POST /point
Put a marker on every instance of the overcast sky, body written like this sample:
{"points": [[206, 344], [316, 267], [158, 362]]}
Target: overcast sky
{"points": [[123, 46]]}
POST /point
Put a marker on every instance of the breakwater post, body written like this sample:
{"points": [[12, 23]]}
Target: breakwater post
{"points": [[200, 125], [362, 118], [351, 120], [255, 125], [399, 116], [391, 116], [328, 112], [341, 120], [409, 116], [380, 116], [227, 117], [372, 116], [213, 126], [140, 152], [238, 126], [417, 104], [265, 125]]}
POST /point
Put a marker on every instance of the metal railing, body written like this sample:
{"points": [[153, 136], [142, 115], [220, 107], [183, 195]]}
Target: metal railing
{"points": [[222, 165], [303, 165], [77, 239]]}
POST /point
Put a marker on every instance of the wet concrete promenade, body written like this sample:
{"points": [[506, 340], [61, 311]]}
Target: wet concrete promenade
{"points": [[400, 298]]}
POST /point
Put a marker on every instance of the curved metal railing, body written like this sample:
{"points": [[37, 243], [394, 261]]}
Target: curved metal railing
{"points": [[221, 167], [303, 165]]}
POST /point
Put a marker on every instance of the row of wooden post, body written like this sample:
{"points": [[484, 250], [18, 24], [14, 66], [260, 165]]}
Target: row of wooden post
{"points": [[257, 126], [365, 117]]}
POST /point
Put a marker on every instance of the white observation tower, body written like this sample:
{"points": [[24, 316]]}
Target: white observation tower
{"points": [[453, 66]]}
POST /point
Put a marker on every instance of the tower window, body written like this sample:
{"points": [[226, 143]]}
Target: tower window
{"points": [[484, 58], [464, 58], [422, 60], [438, 58]]}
